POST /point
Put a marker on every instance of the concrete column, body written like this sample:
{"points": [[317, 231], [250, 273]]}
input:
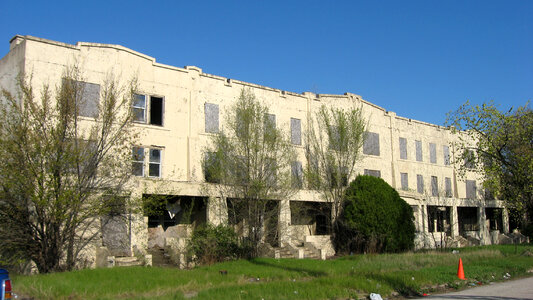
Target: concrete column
{"points": [[284, 221], [423, 215], [505, 220], [217, 211], [483, 232], [454, 220]]}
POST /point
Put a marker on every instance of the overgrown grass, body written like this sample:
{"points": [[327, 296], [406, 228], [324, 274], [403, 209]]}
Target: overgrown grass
{"points": [[347, 277]]}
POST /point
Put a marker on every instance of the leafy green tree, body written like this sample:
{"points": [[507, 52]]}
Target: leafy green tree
{"points": [[334, 140], [498, 145], [248, 162], [60, 172], [375, 218]]}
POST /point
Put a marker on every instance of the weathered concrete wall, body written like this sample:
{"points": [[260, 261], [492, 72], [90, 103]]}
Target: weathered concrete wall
{"points": [[182, 137]]}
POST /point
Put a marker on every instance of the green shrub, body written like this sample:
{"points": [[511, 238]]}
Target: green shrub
{"points": [[210, 244], [374, 218]]}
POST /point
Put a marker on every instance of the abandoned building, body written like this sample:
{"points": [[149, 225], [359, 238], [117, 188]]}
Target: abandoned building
{"points": [[177, 110]]}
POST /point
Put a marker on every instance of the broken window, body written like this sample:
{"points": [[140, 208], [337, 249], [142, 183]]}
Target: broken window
{"points": [[149, 112], [446, 152], [138, 161], [297, 174], [432, 153], [471, 189], [420, 184], [154, 161], [434, 186], [371, 144], [211, 117], [296, 131], [375, 173], [405, 181], [403, 148], [418, 146], [448, 186]]}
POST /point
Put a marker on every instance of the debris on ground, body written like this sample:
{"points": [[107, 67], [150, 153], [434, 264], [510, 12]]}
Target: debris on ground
{"points": [[374, 296]]}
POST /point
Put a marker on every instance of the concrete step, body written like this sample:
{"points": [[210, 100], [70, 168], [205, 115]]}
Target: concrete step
{"points": [[127, 261], [160, 258]]}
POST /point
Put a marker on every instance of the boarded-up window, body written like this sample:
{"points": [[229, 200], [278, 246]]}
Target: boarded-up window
{"points": [[471, 189], [418, 146], [434, 186], [375, 173], [90, 98], [420, 184], [297, 174], [403, 148], [296, 131], [371, 144], [432, 153], [270, 122], [448, 186], [446, 152], [405, 181], [211, 117]]}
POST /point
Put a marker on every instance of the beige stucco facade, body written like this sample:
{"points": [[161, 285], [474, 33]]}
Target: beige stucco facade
{"points": [[182, 137]]}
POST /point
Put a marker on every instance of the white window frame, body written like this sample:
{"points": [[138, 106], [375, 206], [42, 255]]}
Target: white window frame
{"points": [[147, 161]]}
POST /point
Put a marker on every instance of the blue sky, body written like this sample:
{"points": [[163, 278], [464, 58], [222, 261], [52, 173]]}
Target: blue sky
{"points": [[419, 59]]}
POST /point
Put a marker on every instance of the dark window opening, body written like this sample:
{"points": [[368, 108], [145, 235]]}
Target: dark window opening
{"points": [[494, 218], [167, 210], [439, 219], [468, 219], [156, 111], [316, 215]]}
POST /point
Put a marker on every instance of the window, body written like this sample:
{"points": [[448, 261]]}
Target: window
{"points": [[150, 112], [371, 144], [154, 162], [432, 153], [470, 159], [405, 181], [211, 117], [375, 173], [448, 186], [297, 174], [154, 168], [87, 96], [434, 186], [338, 177], [471, 189], [138, 161], [270, 122], [446, 152], [211, 167], [296, 131], [418, 146], [403, 148], [420, 184]]}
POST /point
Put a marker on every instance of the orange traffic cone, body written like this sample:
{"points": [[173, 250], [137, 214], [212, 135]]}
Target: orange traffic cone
{"points": [[460, 271]]}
